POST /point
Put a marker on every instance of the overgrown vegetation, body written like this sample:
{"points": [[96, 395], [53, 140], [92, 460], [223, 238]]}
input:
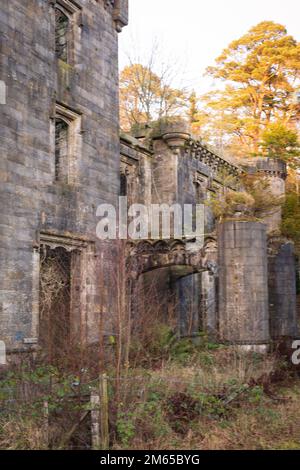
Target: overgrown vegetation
{"points": [[253, 199], [200, 395], [25, 423], [291, 217]]}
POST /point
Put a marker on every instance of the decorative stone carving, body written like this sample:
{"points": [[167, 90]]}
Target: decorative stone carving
{"points": [[210, 158], [69, 243], [69, 5], [146, 255], [210, 255]]}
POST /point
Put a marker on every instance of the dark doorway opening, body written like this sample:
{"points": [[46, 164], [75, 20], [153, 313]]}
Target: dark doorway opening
{"points": [[55, 302]]}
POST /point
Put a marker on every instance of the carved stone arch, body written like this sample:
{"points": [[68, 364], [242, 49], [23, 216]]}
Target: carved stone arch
{"points": [[147, 256], [161, 246], [177, 245], [210, 243], [210, 255], [144, 247]]}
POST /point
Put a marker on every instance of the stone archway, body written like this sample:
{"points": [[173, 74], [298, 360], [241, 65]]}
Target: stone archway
{"points": [[173, 269], [148, 255]]}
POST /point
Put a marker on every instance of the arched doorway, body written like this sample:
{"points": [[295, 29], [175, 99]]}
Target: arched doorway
{"points": [[168, 285]]}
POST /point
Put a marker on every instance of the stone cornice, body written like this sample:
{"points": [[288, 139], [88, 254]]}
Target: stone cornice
{"points": [[210, 157], [132, 148], [268, 166], [274, 173]]}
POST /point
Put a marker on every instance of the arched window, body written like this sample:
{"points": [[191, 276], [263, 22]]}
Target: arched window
{"points": [[123, 185], [61, 149], [61, 34]]}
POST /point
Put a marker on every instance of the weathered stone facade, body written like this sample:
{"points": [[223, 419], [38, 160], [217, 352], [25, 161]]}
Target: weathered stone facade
{"points": [[36, 207], [234, 288], [60, 159]]}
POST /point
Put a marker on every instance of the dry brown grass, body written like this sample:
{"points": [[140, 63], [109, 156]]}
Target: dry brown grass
{"points": [[222, 399], [267, 425], [19, 433], [214, 399]]}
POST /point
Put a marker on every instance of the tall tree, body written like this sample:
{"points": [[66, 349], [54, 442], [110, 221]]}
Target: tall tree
{"points": [[147, 86], [146, 96], [193, 108], [260, 74], [278, 141]]}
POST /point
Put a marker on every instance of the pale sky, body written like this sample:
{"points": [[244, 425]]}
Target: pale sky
{"points": [[194, 32]]}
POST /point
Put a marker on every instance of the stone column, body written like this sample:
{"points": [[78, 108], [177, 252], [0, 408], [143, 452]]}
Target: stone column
{"points": [[209, 286], [243, 285], [209, 304], [282, 289]]}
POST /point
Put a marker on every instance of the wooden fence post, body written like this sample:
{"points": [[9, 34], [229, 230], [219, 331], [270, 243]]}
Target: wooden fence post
{"points": [[46, 422], [103, 381], [95, 428]]}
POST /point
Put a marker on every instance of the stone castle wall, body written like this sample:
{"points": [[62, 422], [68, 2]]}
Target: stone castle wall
{"points": [[32, 204]]}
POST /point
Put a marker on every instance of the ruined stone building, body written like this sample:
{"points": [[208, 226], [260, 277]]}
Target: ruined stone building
{"points": [[61, 157], [240, 286]]}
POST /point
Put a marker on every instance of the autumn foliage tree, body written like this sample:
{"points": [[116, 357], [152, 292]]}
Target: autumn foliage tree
{"points": [[291, 209], [259, 75], [147, 87], [146, 96], [279, 141]]}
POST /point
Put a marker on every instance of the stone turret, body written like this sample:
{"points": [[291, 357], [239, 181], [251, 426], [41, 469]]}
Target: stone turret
{"points": [[276, 171]]}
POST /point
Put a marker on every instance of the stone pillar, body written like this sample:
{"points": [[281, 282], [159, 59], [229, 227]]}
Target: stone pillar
{"points": [[209, 304], [282, 289], [243, 285], [209, 285]]}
